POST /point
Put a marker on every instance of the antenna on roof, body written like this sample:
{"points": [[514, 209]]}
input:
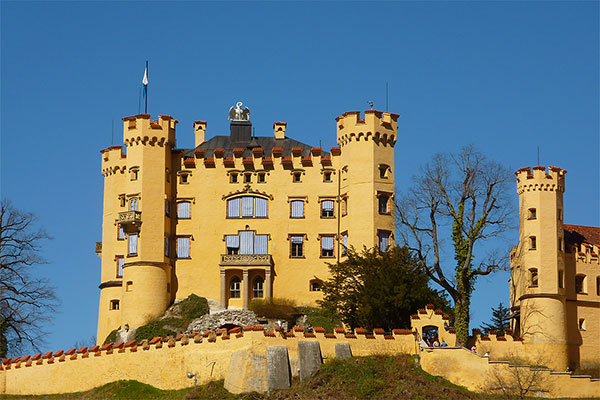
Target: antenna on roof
{"points": [[386, 96]]}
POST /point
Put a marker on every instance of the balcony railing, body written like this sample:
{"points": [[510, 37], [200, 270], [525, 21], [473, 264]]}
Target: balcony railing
{"points": [[246, 259], [130, 220], [98, 247]]}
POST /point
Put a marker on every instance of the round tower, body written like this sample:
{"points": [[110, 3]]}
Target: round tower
{"points": [[146, 284], [367, 176], [537, 271]]}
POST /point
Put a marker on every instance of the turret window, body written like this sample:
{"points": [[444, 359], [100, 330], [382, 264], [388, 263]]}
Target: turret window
{"points": [[533, 277], [561, 279], [384, 171], [120, 262], [532, 243], [114, 304], [581, 324], [531, 213], [383, 201], [235, 288], [580, 284]]}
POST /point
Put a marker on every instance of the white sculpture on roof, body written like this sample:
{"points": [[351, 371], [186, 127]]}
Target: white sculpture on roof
{"points": [[239, 114]]}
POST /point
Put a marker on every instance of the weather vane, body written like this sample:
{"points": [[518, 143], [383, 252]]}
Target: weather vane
{"points": [[239, 114]]}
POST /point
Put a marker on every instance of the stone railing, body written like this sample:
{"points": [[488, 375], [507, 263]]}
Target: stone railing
{"points": [[245, 259], [130, 218]]}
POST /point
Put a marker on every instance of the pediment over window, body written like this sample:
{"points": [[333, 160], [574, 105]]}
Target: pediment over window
{"points": [[247, 190]]}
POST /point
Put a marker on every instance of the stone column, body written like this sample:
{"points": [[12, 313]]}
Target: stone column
{"points": [[246, 290], [223, 288], [268, 290]]}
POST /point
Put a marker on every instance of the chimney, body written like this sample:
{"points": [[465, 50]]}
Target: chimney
{"points": [[279, 128], [200, 132], [241, 131]]}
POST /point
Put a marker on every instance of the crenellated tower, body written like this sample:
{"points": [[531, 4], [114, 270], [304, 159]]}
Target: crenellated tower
{"points": [[367, 176], [136, 261], [537, 263]]}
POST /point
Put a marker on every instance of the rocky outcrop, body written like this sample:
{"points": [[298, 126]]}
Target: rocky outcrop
{"points": [[228, 317]]}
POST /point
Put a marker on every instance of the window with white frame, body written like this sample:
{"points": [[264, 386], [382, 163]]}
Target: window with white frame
{"points": [[247, 242], [232, 243], [133, 204], [132, 244], [327, 243], [235, 290], [247, 207], [257, 287], [183, 210], [120, 262], [383, 240], [183, 247], [344, 243], [121, 233], [297, 246], [327, 207], [297, 209]]}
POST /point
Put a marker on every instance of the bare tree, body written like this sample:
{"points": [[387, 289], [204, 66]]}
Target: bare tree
{"points": [[464, 197], [520, 380], [25, 300]]}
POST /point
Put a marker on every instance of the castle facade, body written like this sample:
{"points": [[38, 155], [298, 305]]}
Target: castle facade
{"points": [[238, 217]]}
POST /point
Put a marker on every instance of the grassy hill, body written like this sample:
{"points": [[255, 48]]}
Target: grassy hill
{"points": [[378, 377]]}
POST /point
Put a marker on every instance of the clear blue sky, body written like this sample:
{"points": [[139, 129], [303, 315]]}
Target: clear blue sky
{"points": [[506, 76]]}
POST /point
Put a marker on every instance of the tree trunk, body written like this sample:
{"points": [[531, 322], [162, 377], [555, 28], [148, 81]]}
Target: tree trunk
{"points": [[3, 341], [461, 318]]}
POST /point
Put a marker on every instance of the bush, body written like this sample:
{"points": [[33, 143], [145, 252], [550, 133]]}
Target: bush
{"points": [[112, 336], [284, 309], [322, 317], [153, 329]]}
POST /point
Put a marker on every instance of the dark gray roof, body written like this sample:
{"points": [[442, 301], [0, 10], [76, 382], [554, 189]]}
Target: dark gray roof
{"points": [[267, 144]]}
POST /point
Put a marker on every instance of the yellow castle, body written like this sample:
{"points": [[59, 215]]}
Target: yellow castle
{"points": [[555, 275], [238, 217]]}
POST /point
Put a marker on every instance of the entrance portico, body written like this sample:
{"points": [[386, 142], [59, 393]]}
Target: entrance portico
{"points": [[241, 269]]}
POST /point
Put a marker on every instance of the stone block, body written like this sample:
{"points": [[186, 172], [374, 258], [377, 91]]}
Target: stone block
{"points": [[343, 351], [309, 355], [247, 372], [278, 368]]}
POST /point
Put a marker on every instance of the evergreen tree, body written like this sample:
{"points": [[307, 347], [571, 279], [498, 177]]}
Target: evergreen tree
{"points": [[374, 289], [500, 320]]}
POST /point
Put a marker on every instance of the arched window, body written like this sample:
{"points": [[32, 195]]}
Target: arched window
{"points": [[235, 288], [247, 207], [257, 287], [533, 277]]}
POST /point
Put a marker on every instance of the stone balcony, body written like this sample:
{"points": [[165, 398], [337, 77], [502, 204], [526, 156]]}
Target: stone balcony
{"points": [[130, 220], [242, 260]]}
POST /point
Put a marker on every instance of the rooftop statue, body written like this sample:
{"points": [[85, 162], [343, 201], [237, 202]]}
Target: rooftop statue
{"points": [[239, 114]]}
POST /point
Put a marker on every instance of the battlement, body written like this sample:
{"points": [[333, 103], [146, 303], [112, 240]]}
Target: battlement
{"points": [[540, 180], [377, 125], [113, 160], [140, 129]]}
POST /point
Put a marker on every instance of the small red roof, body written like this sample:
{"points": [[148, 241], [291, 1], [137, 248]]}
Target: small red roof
{"points": [[578, 234]]}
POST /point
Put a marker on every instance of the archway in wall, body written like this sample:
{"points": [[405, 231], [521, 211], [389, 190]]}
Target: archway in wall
{"points": [[430, 333]]}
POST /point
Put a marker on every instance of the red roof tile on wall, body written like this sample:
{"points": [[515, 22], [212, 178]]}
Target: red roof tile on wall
{"points": [[582, 234]]}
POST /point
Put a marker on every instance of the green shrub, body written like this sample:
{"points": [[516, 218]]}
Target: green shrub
{"points": [[284, 309], [154, 328], [112, 336], [193, 307], [322, 317]]}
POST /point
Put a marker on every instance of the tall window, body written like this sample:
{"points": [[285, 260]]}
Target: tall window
{"points": [[296, 246], [121, 233], [344, 243], [561, 279], [232, 242], [327, 246], [532, 213], [533, 277], [133, 204], [120, 263], [183, 210], [580, 284], [167, 249], [235, 288], [383, 203], [247, 207], [247, 242], [257, 287], [167, 208], [297, 209], [384, 240], [183, 247], [532, 243], [327, 209], [133, 244]]}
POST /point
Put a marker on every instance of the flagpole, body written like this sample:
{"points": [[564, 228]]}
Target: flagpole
{"points": [[146, 89]]}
